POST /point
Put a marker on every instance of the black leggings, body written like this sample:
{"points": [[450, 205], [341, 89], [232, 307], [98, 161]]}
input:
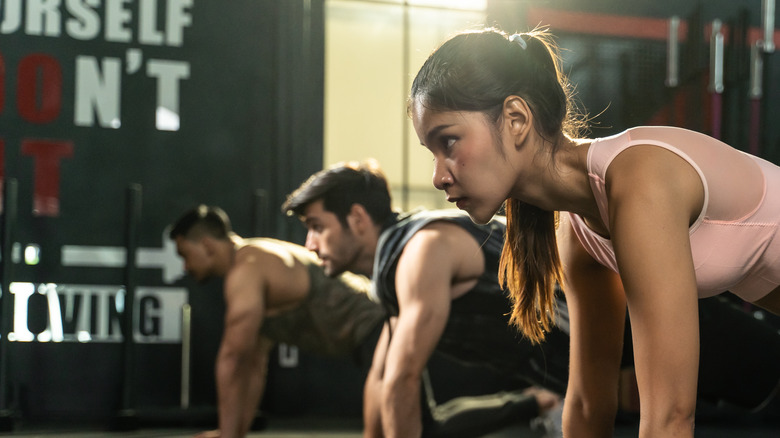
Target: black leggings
{"points": [[739, 362], [740, 355]]}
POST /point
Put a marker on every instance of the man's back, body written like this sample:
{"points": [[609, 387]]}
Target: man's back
{"points": [[331, 316]]}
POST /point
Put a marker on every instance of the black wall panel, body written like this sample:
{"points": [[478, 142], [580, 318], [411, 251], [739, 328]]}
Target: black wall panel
{"points": [[81, 88]]}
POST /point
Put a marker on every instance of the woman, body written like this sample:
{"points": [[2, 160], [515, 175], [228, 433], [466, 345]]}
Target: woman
{"points": [[679, 215]]}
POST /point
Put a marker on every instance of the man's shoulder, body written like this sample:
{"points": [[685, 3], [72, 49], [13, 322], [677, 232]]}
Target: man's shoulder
{"points": [[446, 218], [280, 268], [416, 220], [268, 256], [453, 223], [266, 246], [270, 244], [441, 231]]}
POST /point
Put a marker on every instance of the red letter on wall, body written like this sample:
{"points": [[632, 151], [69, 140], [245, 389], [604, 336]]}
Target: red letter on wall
{"points": [[47, 154], [49, 94]]}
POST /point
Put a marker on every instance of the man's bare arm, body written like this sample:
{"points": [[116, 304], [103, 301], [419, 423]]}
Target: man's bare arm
{"points": [[237, 361], [258, 377], [428, 268], [372, 391]]}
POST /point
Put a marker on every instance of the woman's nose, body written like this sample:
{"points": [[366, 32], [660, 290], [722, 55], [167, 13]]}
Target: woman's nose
{"points": [[441, 177]]}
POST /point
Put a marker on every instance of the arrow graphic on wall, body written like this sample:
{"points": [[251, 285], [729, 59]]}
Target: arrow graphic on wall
{"points": [[164, 258]]}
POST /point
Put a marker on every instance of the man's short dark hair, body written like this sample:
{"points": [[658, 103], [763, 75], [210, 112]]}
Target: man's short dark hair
{"points": [[340, 187], [201, 221]]}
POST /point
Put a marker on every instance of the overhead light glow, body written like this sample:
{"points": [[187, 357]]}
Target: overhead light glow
{"points": [[470, 5]]}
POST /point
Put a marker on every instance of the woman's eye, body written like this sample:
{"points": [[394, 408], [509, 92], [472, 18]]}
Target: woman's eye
{"points": [[449, 142]]}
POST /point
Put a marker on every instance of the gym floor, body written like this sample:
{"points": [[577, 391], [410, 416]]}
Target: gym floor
{"points": [[351, 428]]}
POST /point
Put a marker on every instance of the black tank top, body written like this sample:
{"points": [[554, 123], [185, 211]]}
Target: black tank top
{"points": [[478, 330], [487, 295]]}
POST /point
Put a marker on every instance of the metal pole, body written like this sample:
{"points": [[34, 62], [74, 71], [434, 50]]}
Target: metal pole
{"points": [[127, 418], [716, 78], [755, 93], [768, 20], [673, 53], [6, 310], [673, 67], [736, 108], [186, 343], [768, 149]]}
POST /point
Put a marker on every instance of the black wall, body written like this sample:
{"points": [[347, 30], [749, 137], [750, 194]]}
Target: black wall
{"points": [[250, 130]]}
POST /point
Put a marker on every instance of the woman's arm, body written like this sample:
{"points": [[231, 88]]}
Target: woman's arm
{"points": [[597, 310], [654, 197]]}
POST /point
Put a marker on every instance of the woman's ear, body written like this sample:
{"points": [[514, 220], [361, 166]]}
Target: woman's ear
{"points": [[518, 119]]}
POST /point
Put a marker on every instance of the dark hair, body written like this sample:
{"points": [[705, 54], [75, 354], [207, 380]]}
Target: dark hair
{"points": [[340, 187], [202, 221], [477, 71]]}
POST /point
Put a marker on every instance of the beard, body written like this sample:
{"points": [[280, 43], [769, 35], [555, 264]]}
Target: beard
{"points": [[343, 258]]}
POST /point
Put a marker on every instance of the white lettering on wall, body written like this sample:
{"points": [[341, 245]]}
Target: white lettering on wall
{"points": [[85, 23], [12, 16], [168, 74], [148, 32], [43, 17], [98, 92], [178, 17], [92, 313], [117, 20], [82, 20]]}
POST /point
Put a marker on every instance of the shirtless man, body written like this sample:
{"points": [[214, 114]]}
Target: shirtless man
{"points": [[274, 291]]}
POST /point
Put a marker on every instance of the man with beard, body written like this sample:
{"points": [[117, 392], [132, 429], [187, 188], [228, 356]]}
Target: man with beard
{"points": [[435, 274]]}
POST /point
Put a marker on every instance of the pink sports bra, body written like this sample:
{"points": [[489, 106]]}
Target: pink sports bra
{"points": [[734, 241]]}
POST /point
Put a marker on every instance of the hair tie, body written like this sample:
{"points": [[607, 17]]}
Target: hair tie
{"points": [[517, 38]]}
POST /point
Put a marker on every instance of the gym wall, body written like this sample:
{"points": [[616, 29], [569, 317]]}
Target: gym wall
{"points": [[114, 119], [615, 52]]}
